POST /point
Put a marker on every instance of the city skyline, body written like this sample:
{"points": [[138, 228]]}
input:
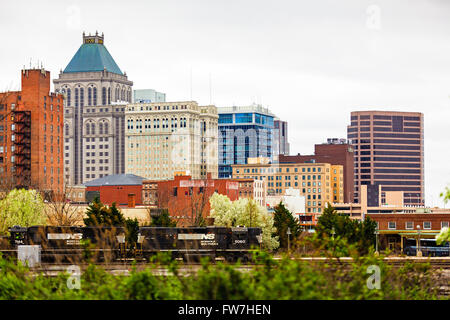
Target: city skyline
{"points": [[353, 55]]}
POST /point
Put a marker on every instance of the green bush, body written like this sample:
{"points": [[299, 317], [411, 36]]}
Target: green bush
{"points": [[269, 279]]}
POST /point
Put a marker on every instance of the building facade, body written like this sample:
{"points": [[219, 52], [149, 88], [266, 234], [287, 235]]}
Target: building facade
{"points": [[318, 182], [163, 139], [122, 189], [185, 197], [96, 93], [244, 132], [281, 143], [252, 189], [335, 151], [148, 96], [31, 135], [389, 152]]}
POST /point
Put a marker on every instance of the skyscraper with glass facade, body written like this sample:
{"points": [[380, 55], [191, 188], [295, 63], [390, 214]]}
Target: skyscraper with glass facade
{"points": [[244, 132]]}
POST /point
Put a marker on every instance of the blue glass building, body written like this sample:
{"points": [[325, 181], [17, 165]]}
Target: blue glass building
{"points": [[244, 132]]}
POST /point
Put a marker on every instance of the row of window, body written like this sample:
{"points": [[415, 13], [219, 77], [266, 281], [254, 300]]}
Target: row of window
{"points": [[409, 225], [273, 170], [120, 95]]}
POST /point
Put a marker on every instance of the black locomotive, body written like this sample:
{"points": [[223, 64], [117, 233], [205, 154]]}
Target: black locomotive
{"points": [[110, 244]]}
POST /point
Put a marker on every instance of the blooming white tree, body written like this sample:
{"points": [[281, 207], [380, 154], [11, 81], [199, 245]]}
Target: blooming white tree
{"points": [[244, 212], [443, 236], [21, 207]]}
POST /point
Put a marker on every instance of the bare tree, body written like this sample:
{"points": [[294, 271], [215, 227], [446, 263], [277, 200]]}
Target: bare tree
{"points": [[60, 211]]}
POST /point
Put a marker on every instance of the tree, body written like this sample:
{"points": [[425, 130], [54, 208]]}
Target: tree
{"points": [[163, 220], [283, 219], [21, 207], [244, 212], [337, 225], [444, 235], [99, 214], [60, 211]]}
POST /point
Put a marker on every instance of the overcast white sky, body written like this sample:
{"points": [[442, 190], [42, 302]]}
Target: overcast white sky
{"points": [[310, 62]]}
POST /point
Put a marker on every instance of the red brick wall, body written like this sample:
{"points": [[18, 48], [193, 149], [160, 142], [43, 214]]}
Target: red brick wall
{"points": [[417, 219], [36, 97], [118, 194], [192, 194]]}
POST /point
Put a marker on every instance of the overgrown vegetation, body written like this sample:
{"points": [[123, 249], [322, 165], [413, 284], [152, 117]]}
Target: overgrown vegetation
{"points": [[270, 279]]}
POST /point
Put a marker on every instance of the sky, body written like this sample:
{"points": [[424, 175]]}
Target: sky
{"points": [[310, 62]]}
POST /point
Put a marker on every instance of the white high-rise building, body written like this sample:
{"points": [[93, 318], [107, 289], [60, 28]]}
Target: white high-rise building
{"points": [[169, 138]]}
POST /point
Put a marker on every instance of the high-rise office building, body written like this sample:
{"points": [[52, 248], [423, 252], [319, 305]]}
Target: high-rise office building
{"points": [[96, 92], [281, 144], [244, 132], [389, 152], [31, 135], [164, 139]]}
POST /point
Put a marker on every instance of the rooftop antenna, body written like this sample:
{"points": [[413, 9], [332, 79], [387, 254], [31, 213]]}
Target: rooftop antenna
{"points": [[191, 82], [210, 89]]}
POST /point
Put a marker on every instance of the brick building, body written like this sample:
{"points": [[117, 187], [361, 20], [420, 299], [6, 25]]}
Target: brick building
{"points": [[252, 189], [123, 189], [31, 137], [336, 152], [396, 228], [185, 197]]}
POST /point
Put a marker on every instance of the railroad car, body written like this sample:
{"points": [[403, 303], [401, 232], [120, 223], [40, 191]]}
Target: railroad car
{"points": [[61, 244], [195, 242], [68, 244]]}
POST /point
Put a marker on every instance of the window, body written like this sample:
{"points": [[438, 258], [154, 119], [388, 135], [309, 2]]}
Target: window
{"points": [[392, 225], [409, 225], [444, 224], [427, 225]]}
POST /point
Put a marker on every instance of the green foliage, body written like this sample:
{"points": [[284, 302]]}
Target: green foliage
{"points": [[270, 279], [21, 207], [443, 236], [347, 231], [283, 219], [100, 215], [163, 220], [132, 230], [446, 195], [244, 212]]}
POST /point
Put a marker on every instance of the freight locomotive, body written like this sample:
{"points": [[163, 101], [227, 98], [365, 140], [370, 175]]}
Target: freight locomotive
{"points": [[112, 244]]}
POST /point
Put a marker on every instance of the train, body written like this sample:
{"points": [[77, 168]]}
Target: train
{"points": [[113, 244]]}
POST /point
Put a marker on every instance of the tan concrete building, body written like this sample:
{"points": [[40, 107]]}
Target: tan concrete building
{"points": [[318, 182], [164, 138]]}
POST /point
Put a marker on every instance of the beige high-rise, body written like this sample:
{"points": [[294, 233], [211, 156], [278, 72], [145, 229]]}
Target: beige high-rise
{"points": [[163, 139]]}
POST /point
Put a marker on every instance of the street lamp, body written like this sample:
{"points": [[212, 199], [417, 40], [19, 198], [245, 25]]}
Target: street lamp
{"points": [[419, 252], [288, 234], [333, 232], [376, 241]]}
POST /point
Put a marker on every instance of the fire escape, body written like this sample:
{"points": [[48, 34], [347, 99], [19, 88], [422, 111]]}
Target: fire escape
{"points": [[21, 141]]}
